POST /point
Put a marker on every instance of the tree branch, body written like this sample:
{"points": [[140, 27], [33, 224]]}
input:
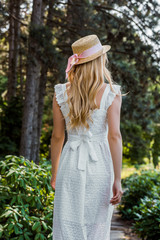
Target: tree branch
{"points": [[129, 18], [18, 20]]}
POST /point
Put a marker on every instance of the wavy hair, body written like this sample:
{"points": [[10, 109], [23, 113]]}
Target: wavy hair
{"points": [[85, 81]]}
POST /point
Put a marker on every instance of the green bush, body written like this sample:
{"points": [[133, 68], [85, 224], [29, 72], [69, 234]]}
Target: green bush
{"points": [[141, 203], [147, 218], [26, 200], [136, 188]]}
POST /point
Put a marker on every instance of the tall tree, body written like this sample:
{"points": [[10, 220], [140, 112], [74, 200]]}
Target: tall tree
{"points": [[13, 38], [40, 93], [44, 56], [30, 111], [45, 67]]}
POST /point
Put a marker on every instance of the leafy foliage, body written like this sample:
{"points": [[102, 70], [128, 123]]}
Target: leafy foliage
{"points": [[147, 217], [3, 84], [138, 147], [26, 200], [141, 203], [155, 147], [10, 125]]}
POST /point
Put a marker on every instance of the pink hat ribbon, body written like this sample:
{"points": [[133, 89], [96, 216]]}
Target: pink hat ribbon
{"points": [[72, 60]]}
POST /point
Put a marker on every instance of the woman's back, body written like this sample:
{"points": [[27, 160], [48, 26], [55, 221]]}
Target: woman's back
{"points": [[85, 176], [104, 99], [86, 187]]}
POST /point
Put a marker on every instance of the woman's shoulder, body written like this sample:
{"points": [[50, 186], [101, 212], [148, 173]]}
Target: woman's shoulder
{"points": [[116, 87], [59, 89], [112, 93]]}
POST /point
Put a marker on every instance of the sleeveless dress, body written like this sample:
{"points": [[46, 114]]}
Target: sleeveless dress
{"points": [[83, 188]]}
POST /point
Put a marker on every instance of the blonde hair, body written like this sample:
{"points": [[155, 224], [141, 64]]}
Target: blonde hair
{"points": [[85, 81]]}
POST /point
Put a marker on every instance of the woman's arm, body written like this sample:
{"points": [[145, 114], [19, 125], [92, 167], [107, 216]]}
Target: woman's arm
{"points": [[115, 143], [57, 139]]}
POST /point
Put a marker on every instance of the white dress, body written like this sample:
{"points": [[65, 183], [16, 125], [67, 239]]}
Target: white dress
{"points": [[83, 189]]}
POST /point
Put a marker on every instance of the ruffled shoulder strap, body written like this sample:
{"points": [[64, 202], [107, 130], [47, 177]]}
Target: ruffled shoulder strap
{"points": [[60, 94], [111, 95]]}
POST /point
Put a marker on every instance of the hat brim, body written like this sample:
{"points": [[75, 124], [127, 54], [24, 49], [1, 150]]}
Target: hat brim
{"points": [[105, 48]]}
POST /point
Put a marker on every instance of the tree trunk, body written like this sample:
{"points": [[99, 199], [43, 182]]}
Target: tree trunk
{"points": [[14, 37], [35, 136], [32, 85], [43, 81], [21, 72], [35, 139]]}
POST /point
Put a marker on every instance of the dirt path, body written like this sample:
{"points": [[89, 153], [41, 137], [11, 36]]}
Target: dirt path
{"points": [[120, 229]]}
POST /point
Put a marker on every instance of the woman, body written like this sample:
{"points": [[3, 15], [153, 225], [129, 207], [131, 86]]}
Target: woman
{"points": [[86, 176]]}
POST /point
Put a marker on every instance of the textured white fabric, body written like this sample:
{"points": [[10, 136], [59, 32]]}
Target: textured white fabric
{"points": [[82, 209]]}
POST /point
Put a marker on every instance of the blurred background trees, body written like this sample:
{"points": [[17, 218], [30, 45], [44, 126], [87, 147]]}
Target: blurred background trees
{"points": [[36, 38]]}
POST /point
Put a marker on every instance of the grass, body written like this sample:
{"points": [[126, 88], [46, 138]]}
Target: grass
{"points": [[127, 170]]}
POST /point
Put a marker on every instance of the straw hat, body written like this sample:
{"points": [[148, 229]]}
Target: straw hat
{"points": [[86, 49], [87, 42]]}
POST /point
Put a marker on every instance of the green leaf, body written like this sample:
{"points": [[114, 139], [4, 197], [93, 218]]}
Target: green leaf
{"points": [[11, 171], [26, 236], [13, 200], [10, 226], [42, 237], [39, 228], [1, 227], [44, 225], [28, 199], [35, 225], [21, 237], [20, 225], [34, 218], [6, 214], [16, 229], [37, 237], [15, 217], [22, 183], [1, 230], [48, 215]]}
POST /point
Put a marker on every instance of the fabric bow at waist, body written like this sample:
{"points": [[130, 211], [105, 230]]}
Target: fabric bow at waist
{"points": [[85, 147]]}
